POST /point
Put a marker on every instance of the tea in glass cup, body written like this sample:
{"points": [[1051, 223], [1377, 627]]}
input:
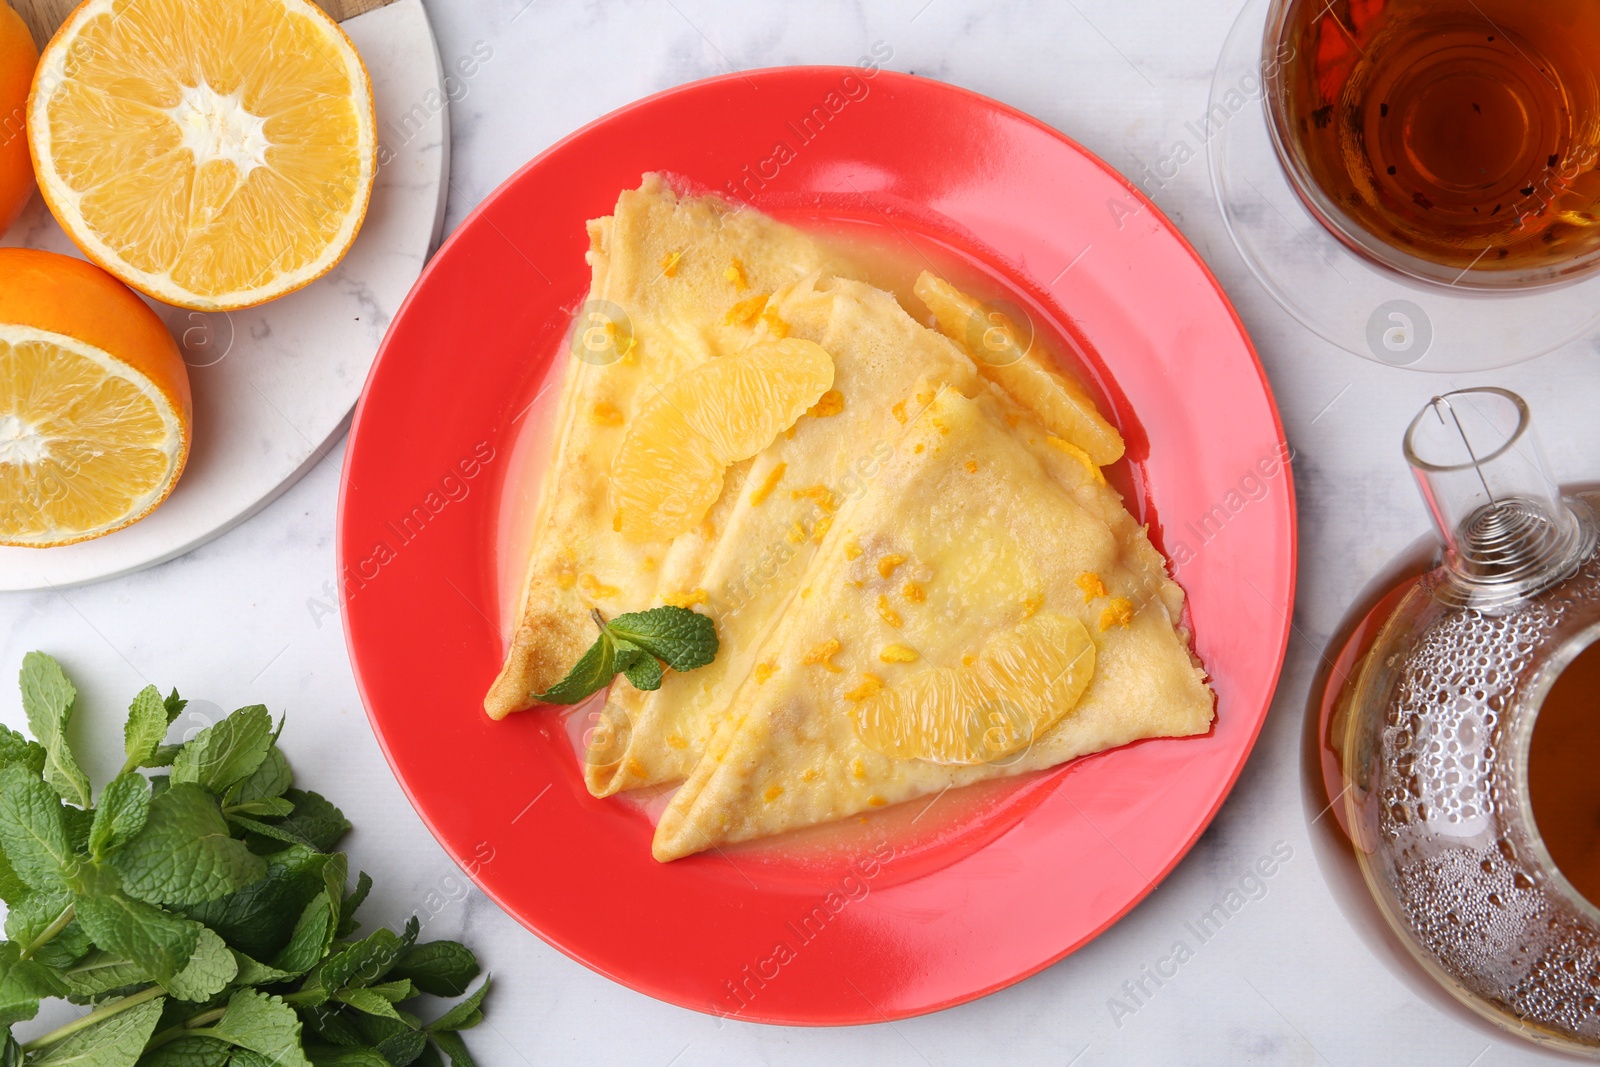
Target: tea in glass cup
{"points": [[1457, 141]]}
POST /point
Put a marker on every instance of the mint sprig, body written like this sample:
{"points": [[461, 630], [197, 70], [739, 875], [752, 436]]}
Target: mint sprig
{"points": [[201, 911], [638, 646]]}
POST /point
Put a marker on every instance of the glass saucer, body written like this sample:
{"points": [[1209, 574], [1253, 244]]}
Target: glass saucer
{"points": [[1357, 304]]}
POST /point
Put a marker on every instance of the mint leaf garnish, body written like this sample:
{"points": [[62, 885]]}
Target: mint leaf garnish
{"points": [[680, 638], [592, 673], [47, 699], [644, 673], [636, 646]]}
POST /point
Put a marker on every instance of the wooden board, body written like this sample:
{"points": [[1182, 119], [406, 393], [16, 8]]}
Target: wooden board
{"points": [[44, 16]]}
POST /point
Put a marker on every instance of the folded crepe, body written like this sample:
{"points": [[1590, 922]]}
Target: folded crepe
{"points": [[770, 531], [676, 281], [769, 528], [982, 532]]}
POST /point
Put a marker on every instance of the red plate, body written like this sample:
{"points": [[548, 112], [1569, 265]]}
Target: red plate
{"points": [[884, 920]]}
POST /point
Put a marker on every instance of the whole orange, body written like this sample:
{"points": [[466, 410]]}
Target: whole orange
{"points": [[18, 58]]}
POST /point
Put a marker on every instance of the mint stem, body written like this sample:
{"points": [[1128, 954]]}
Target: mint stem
{"points": [[194, 1026], [61, 923], [599, 619], [116, 1007]]}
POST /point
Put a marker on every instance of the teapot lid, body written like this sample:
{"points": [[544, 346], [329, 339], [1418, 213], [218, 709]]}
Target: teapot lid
{"points": [[1507, 532]]}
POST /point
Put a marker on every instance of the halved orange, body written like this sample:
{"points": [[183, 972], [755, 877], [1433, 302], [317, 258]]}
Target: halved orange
{"points": [[94, 402], [668, 471], [18, 58], [215, 154], [1024, 681]]}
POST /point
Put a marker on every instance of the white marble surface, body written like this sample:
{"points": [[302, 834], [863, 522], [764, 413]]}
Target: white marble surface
{"points": [[1290, 980]]}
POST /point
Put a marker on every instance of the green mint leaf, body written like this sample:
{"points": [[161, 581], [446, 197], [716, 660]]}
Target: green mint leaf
{"points": [[317, 927], [592, 673], [145, 729], [47, 699], [452, 1046], [404, 1048], [271, 779], [174, 705], [33, 830], [347, 1056], [262, 1024], [347, 910], [644, 673], [266, 807], [116, 1041], [462, 1016], [442, 968], [314, 824], [363, 963], [368, 1001], [79, 821], [35, 913], [208, 971], [333, 1023], [398, 1039], [259, 919], [185, 854], [102, 972], [159, 941], [313, 934], [188, 1051], [315, 820], [226, 752], [164, 756], [394, 992], [23, 983], [254, 972], [681, 638], [124, 807], [14, 748], [12, 887]]}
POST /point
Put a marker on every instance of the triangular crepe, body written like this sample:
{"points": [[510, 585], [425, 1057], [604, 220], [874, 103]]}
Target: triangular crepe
{"points": [[667, 272], [977, 523], [771, 527]]}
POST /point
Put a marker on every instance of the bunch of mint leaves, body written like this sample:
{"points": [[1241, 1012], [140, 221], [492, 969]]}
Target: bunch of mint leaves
{"points": [[198, 906], [640, 647]]}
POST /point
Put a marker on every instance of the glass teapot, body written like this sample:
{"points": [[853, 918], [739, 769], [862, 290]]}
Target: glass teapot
{"points": [[1435, 731]]}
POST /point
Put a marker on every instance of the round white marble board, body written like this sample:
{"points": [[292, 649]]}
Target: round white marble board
{"points": [[274, 385]]}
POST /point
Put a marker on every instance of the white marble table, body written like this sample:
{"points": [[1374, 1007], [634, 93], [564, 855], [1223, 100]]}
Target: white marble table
{"points": [[1289, 980]]}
